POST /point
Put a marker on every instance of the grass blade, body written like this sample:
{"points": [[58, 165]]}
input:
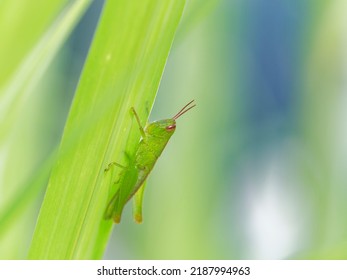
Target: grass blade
{"points": [[32, 68], [123, 69], [33, 33]]}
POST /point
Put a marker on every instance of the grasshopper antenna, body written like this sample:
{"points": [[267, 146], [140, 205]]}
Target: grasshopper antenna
{"points": [[184, 110]]}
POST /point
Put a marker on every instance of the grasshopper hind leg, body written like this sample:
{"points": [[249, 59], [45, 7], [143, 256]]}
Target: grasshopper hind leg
{"points": [[137, 204], [111, 206], [111, 211]]}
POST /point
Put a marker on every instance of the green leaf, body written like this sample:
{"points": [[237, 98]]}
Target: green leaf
{"points": [[22, 23], [123, 69], [25, 77], [33, 33]]}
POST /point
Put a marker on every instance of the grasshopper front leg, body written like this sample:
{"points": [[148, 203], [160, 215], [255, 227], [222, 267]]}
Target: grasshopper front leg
{"points": [[142, 131], [113, 164]]}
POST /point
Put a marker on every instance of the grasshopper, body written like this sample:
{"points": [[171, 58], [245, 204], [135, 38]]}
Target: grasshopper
{"points": [[132, 178]]}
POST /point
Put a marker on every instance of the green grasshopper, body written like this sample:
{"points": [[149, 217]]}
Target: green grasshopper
{"points": [[154, 138]]}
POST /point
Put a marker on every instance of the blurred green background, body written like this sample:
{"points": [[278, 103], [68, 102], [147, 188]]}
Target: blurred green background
{"points": [[255, 171]]}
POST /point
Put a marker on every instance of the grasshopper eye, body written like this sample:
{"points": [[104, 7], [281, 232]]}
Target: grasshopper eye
{"points": [[170, 127]]}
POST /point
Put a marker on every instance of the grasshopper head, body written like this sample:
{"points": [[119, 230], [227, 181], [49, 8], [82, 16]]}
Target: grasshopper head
{"points": [[165, 128], [162, 128]]}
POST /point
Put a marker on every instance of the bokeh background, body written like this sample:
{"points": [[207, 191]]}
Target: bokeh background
{"points": [[256, 171]]}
